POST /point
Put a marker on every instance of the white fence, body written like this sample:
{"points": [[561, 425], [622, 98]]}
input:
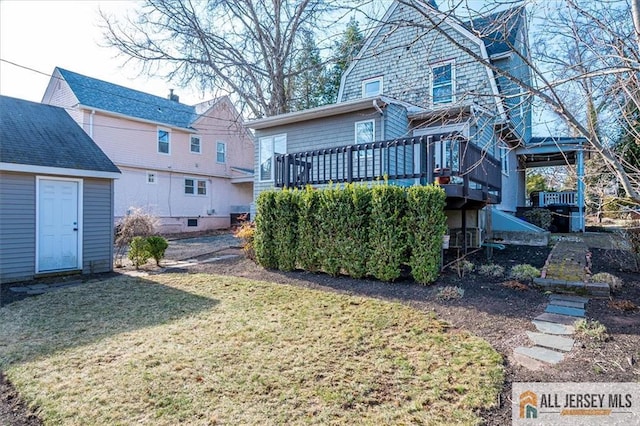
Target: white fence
{"points": [[563, 198]]}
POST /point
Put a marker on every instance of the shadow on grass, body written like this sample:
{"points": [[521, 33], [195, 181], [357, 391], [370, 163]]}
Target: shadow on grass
{"points": [[88, 313]]}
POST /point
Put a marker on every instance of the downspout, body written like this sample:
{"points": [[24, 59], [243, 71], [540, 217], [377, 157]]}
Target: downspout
{"points": [[377, 107], [93, 112]]}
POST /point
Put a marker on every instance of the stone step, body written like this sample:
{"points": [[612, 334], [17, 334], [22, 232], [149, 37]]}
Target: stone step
{"points": [[549, 341], [555, 318], [553, 328], [19, 289], [563, 310], [540, 354], [569, 298], [567, 304]]}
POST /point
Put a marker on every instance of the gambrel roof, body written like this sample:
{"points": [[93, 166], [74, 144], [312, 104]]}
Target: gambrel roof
{"points": [[34, 134], [106, 96], [499, 30]]}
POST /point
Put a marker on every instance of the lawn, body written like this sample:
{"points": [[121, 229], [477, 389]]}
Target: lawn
{"points": [[206, 349]]}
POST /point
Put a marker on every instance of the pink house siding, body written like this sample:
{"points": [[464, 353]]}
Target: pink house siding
{"points": [[155, 181]]}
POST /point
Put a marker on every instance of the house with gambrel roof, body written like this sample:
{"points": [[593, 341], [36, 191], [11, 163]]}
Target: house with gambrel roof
{"points": [[190, 166], [419, 105]]}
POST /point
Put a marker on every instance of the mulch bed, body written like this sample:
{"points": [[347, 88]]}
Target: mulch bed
{"points": [[499, 313]]}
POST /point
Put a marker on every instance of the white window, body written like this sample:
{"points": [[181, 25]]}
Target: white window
{"points": [[504, 160], [372, 87], [164, 141], [365, 131], [270, 147], [195, 144], [221, 152], [195, 186], [151, 178], [443, 83]]}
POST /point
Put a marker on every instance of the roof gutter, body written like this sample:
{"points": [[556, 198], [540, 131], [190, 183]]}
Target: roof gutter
{"points": [[128, 117]]}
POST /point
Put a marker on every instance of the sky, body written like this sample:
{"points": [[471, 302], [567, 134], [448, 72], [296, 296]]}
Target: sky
{"points": [[37, 36]]}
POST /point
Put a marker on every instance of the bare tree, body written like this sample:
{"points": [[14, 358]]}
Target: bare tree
{"points": [[245, 47], [585, 63]]}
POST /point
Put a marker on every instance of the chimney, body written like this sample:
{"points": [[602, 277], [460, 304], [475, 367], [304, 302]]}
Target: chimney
{"points": [[173, 97]]}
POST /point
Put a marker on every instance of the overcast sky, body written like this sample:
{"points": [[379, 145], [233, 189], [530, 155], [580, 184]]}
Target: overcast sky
{"points": [[39, 35]]}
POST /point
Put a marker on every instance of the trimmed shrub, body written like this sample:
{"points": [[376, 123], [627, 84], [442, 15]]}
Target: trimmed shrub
{"points": [[387, 232], [463, 267], [286, 232], [491, 270], [309, 221], [524, 272], [332, 207], [427, 224], [614, 282], [354, 246], [265, 235], [139, 251], [157, 245], [539, 217]]}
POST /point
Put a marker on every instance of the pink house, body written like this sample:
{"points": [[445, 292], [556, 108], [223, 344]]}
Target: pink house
{"points": [[191, 166]]}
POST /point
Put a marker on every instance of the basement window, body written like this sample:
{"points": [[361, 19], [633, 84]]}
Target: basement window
{"points": [[192, 222]]}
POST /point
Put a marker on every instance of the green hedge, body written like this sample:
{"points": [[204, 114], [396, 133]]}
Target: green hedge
{"points": [[355, 230]]}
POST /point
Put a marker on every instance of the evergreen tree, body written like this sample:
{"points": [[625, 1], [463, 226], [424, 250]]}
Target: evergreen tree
{"points": [[309, 82], [344, 51]]}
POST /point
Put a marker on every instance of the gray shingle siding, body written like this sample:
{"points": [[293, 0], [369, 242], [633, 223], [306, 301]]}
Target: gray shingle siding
{"points": [[97, 239], [403, 55], [17, 226]]}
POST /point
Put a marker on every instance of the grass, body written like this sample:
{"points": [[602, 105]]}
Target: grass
{"points": [[203, 349]]}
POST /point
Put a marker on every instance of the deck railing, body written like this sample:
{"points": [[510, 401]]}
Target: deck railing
{"points": [[405, 161], [562, 198]]}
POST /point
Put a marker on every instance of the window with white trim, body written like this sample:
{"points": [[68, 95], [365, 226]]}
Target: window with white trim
{"points": [[443, 83], [270, 146], [365, 133], [221, 152], [195, 186], [195, 144], [151, 178], [504, 160], [164, 141], [372, 87]]}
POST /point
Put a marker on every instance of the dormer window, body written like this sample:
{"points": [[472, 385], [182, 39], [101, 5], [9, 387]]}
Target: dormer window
{"points": [[443, 83], [372, 87]]}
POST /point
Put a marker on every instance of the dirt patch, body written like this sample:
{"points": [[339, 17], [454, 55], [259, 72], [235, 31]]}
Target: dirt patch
{"points": [[499, 313]]}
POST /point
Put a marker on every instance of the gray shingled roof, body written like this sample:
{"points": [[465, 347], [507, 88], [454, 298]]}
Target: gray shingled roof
{"points": [[498, 30], [106, 96], [45, 135]]}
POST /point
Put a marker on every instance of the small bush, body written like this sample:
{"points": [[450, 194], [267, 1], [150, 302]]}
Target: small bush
{"points": [[462, 267], [539, 217], [516, 285], [136, 224], [524, 272], [246, 233], [157, 245], [450, 293], [614, 282], [139, 251], [623, 305], [591, 329], [491, 270]]}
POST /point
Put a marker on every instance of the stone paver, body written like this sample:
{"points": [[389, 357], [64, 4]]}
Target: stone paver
{"points": [[553, 328], [540, 354], [563, 310], [528, 362], [555, 318], [550, 341], [567, 304], [569, 298], [19, 289]]}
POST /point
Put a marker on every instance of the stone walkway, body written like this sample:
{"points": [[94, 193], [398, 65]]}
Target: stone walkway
{"points": [[555, 328], [566, 274]]}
